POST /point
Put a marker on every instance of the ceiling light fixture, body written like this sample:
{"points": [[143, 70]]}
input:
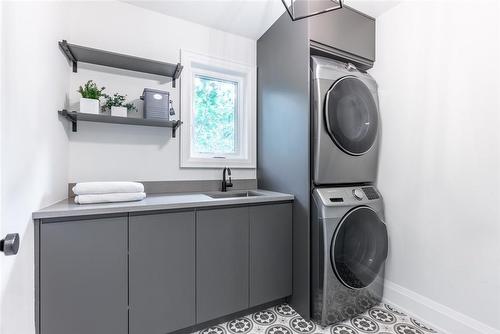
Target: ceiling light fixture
{"points": [[301, 9]]}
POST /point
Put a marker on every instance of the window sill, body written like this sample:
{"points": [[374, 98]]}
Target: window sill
{"points": [[219, 163]]}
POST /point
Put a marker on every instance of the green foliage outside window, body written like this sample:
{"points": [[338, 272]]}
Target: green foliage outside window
{"points": [[214, 121]]}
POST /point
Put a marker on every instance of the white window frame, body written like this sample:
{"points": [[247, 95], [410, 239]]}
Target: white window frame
{"points": [[196, 64]]}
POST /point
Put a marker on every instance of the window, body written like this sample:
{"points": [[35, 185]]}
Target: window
{"points": [[215, 116], [218, 112]]}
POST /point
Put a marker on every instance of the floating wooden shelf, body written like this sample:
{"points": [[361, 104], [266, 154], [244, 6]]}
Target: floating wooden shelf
{"points": [[77, 53], [74, 117]]}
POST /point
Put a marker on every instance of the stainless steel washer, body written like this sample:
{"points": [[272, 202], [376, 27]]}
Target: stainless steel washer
{"points": [[345, 123], [349, 249]]}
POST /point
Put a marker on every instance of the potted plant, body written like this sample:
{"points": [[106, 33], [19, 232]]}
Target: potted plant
{"points": [[116, 104], [89, 103]]}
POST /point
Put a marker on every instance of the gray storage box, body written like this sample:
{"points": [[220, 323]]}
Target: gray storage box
{"points": [[157, 104]]}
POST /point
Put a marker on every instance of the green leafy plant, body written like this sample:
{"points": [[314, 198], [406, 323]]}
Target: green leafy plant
{"points": [[117, 100], [91, 91]]}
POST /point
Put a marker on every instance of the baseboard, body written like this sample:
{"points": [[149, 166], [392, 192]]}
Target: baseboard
{"points": [[441, 317]]}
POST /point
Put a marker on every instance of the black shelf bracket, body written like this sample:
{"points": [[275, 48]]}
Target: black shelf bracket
{"points": [[177, 73], [65, 48], [174, 128], [64, 113]]}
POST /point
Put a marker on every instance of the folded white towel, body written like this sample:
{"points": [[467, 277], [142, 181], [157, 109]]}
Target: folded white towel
{"points": [[89, 188], [109, 198]]}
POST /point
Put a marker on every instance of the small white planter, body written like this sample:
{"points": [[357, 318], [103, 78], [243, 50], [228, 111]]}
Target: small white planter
{"points": [[89, 106], [119, 111]]}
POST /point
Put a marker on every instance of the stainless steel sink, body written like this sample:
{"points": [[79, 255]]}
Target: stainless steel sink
{"points": [[234, 194]]}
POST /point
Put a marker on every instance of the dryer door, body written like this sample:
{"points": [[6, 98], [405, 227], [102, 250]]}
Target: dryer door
{"points": [[351, 115], [359, 247]]}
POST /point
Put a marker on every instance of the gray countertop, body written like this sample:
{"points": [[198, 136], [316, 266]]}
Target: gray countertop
{"points": [[67, 208]]}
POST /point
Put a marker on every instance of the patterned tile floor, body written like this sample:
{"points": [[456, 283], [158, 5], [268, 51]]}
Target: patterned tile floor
{"points": [[282, 319]]}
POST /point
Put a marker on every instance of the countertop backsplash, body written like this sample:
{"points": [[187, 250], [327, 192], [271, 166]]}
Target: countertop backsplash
{"points": [[186, 186]]}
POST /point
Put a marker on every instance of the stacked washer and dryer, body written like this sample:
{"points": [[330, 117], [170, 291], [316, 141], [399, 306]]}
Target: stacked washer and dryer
{"points": [[349, 237]]}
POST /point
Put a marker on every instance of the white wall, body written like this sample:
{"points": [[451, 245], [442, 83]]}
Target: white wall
{"points": [[40, 154], [2, 78], [437, 67], [34, 142], [114, 152]]}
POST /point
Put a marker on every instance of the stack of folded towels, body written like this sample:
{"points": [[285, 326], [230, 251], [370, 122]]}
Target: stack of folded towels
{"points": [[108, 192]]}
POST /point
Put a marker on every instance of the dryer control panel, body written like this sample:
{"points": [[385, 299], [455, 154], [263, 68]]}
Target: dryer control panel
{"points": [[347, 195]]}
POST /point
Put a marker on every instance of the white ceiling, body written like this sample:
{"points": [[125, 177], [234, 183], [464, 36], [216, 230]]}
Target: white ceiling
{"points": [[249, 18], [374, 8]]}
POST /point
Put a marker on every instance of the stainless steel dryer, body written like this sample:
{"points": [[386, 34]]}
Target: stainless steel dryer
{"points": [[345, 123], [349, 249]]}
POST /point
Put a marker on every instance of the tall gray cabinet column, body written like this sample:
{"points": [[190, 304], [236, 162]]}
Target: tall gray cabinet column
{"points": [[283, 131], [283, 135], [83, 276], [162, 272]]}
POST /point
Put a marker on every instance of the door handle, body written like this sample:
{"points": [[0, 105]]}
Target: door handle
{"points": [[10, 245]]}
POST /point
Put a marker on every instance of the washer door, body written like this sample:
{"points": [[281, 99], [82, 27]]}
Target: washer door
{"points": [[359, 247], [351, 115]]}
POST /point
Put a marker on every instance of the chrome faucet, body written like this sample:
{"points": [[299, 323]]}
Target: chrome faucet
{"points": [[226, 184]]}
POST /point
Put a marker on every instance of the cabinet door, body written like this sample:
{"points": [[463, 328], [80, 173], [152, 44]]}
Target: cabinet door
{"points": [[222, 262], [83, 276], [162, 272], [270, 252], [331, 29]]}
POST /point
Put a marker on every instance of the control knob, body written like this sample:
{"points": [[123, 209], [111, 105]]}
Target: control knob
{"points": [[350, 67], [358, 194]]}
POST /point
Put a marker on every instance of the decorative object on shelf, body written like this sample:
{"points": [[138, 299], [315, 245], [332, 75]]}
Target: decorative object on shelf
{"points": [[119, 111], [89, 102], [116, 104], [157, 104], [89, 106], [74, 117], [76, 53], [301, 9]]}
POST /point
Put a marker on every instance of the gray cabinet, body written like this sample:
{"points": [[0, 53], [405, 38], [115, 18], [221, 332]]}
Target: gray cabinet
{"points": [[161, 272], [221, 262], [83, 276], [345, 30], [270, 253]]}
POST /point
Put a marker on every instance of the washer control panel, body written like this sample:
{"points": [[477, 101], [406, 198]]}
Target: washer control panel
{"points": [[371, 193], [347, 195]]}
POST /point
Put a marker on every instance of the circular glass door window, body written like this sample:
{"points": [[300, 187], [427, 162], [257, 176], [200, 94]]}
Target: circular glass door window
{"points": [[359, 247], [351, 116]]}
